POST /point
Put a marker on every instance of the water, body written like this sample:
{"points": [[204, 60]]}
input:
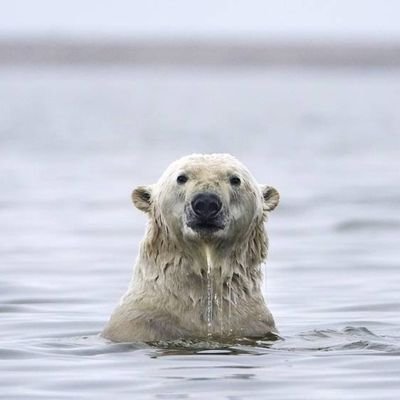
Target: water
{"points": [[74, 143]]}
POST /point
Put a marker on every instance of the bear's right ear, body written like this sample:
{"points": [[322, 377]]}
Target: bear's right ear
{"points": [[141, 198]]}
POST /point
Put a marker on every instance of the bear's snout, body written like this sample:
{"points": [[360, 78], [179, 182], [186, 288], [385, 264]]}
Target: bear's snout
{"points": [[205, 214], [206, 205]]}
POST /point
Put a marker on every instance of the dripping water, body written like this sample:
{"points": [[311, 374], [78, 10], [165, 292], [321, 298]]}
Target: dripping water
{"points": [[229, 305], [209, 296], [221, 303]]}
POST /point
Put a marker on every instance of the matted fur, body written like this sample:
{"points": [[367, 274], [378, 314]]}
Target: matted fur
{"points": [[188, 286]]}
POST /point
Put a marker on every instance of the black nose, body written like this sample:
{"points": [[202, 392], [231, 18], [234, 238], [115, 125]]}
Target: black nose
{"points": [[206, 205]]}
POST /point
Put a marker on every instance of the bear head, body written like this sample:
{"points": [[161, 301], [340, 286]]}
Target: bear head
{"points": [[209, 198]]}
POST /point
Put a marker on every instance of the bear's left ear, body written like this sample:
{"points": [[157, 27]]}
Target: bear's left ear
{"points": [[270, 196], [141, 198]]}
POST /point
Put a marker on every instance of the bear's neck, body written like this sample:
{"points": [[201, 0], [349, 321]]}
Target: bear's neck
{"points": [[204, 280], [162, 255]]}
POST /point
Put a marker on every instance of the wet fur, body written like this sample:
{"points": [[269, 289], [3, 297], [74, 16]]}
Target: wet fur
{"points": [[169, 294]]}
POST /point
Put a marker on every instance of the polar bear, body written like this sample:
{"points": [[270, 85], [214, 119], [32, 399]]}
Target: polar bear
{"points": [[198, 273]]}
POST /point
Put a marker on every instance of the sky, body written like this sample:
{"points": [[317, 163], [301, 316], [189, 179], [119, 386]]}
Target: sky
{"points": [[337, 19]]}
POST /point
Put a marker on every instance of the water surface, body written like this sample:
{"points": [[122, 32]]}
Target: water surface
{"points": [[74, 143]]}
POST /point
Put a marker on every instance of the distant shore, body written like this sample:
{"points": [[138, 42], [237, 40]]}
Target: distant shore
{"points": [[24, 52]]}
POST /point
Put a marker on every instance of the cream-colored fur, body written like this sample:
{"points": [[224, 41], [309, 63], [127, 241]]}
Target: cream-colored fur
{"points": [[188, 285]]}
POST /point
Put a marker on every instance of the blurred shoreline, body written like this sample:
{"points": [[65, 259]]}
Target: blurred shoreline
{"points": [[224, 53]]}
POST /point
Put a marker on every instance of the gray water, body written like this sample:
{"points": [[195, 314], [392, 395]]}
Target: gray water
{"points": [[75, 142]]}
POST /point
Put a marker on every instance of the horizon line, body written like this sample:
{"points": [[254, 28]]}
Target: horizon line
{"points": [[198, 52]]}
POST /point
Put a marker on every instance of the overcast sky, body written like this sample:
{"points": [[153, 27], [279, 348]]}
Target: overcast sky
{"points": [[339, 19]]}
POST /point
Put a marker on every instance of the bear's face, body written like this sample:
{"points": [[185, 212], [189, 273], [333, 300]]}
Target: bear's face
{"points": [[206, 197]]}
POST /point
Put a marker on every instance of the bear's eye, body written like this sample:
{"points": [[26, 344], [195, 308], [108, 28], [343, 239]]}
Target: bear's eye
{"points": [[235, 180], [181, 179]]}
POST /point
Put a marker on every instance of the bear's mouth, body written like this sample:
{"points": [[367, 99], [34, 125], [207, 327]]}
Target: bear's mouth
{"points": [[206, 226]]}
